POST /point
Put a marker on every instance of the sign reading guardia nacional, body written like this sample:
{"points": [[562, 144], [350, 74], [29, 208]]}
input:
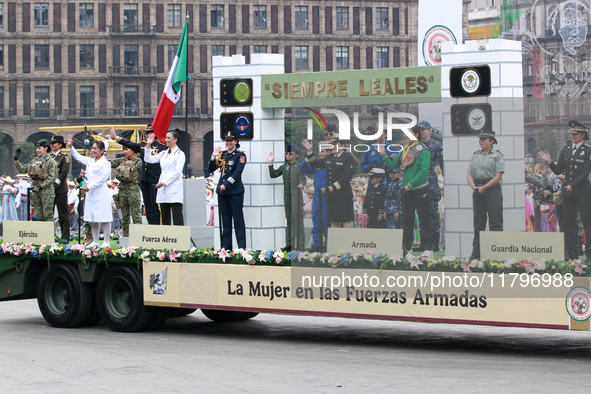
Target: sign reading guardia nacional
{"points": [[359, 87]]}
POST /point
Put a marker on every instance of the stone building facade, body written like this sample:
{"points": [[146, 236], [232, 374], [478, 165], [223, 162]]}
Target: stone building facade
{"points": [[67, 63]]}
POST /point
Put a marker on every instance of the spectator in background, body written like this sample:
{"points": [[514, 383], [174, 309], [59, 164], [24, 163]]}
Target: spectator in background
{"points": [[24, 187], [9, 200]]}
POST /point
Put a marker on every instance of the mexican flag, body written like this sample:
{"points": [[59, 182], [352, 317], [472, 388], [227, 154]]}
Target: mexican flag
{"points": [[172, 89]]}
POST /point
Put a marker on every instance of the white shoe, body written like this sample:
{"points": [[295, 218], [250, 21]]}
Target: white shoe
{"points": [[105, 245], [428, 254], [93, 244]]}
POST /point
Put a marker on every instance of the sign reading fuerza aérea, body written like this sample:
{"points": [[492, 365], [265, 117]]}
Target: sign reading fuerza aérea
{"points": [[358, 87]]}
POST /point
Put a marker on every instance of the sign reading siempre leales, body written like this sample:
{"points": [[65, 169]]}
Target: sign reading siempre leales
{"points": [[502, 245], [38, 233], [160, 237], [358, 87], [360, 240]]}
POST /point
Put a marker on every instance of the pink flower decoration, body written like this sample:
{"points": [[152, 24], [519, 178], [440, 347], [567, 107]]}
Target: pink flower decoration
{"points": [[465, 265], [223, 254], [278, 260], [579, 266], [529, 265], [87, 252]]}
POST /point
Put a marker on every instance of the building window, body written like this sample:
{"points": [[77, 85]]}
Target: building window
{"points": [[382, 55], [87, 101], [342, 57], [41, 57], [2, 113], [131, 100], [174, 15], [301, 56], [130, 57], [171, 54], [301, 17], [86, 56], [1, 57], [41, 14], [217, 50], [259, 49], [42, 101], [260, 16], [342, 18], [217, 15], [1, 14], [86, 14], [381, 18], [130, 18]]}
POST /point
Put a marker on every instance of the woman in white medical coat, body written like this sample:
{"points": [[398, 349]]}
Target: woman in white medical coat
{"points": [[170, 184], [97, 206]]}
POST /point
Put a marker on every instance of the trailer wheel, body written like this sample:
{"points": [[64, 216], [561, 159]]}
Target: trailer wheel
{"points": [[64, 300], [161, 314], [249, 315], [120, 300], [222, 316]]}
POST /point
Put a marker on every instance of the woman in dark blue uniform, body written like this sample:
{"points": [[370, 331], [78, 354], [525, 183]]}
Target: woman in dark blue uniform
{"points": [[230, 189]]}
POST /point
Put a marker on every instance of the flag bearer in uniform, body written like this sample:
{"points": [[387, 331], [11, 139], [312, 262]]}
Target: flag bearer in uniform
{"points": [[484, 176], [127, 171], [43, 172], [574, 161], [61, 186], [230, 189], [293, 183]]}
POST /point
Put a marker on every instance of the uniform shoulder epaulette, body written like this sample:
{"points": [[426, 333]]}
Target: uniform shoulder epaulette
{"points": [[239, 151], [499, 151], [478, 151], [224, 151]]}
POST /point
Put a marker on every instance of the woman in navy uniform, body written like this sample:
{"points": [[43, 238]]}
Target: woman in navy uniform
{"points": [[340, 167], [575, 162], [230, 189]]}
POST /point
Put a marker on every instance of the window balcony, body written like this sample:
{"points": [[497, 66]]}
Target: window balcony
{"points": [[125, 112], [130, 30], [132, 71]]}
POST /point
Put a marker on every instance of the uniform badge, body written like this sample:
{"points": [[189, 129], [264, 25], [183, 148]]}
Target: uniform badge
{"points": [[502, 161], [494, 155], [230, 163], [287, 167], [582, 153], [67, 159], [403, 166], [373, 153], [242, 159], [419, 148]]}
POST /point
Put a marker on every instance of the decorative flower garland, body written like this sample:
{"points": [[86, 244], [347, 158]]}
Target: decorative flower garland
{"points": [[367, 260]]}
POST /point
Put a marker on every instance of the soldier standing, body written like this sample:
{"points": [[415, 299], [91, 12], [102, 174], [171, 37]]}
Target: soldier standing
{"points": [[574, 161], [149, 174], [61, 186], [230, 189], [436, 151], [293, 183], [375, 198], [484, 176], [127, 171], [43, 172]]}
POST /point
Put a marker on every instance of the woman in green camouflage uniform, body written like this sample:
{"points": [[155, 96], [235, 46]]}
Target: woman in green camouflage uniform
{"points": [[43, 171], [127, 170]]}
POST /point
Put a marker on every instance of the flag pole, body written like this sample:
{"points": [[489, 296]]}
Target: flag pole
{"points": [[187, 108]]}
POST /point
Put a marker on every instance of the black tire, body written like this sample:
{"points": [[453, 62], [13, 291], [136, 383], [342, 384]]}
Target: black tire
{"points": [[120, 300], [64, 300], [180, 312], [249, 315], [161, 314], [222, 316]]}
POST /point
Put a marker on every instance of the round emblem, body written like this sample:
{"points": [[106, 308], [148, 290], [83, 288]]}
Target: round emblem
{"points": [[577, 303], [419, 148], [502, 161], [403, 166], [242, 126], [432, 44], [241, 92], [470, 81], [373, 153], [476, 119]]}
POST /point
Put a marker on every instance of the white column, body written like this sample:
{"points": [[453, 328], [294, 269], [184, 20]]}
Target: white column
{"points": [[263, 199], [504, 58]]}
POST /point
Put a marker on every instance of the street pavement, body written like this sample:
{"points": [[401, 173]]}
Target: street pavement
{"points": [[287, 354]]}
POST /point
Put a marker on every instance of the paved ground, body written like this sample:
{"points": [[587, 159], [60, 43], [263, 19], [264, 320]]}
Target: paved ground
{"points": [[287, 354]]}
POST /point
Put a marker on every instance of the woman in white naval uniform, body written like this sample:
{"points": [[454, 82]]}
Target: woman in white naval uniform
{"points": [[97, 205], [170, 185]]}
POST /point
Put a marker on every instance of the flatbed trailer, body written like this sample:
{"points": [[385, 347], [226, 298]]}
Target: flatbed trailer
{"points": [[132, 289]]}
